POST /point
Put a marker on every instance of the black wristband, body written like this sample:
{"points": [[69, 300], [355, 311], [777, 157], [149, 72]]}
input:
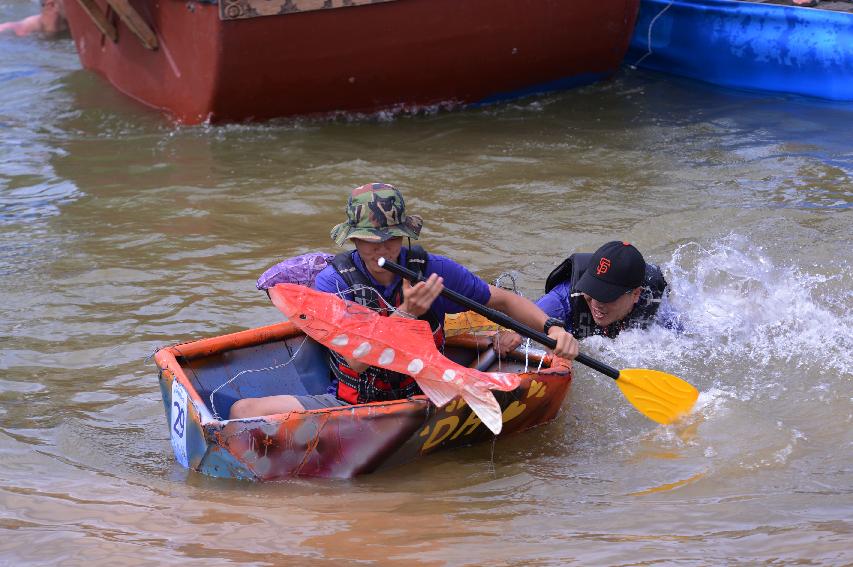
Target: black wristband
{"points": [[552, 322]]}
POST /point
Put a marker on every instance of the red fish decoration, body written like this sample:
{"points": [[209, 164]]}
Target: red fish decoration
{"points": [[394, 343]]}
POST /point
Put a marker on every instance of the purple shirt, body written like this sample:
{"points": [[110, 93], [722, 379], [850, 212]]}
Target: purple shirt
{"points": [[456, 277], [557, 302]]}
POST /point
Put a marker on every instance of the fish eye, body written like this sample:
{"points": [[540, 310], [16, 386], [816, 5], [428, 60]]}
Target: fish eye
{"points": [[303, 316]]}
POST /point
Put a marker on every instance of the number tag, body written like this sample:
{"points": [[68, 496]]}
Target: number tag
{"points": [[178, 423]]}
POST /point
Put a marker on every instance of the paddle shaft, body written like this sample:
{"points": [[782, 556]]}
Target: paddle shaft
{"points": [[499, 318]]}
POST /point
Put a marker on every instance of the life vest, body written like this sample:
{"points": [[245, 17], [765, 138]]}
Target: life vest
{"points": [[378, 384], [582, 323]]}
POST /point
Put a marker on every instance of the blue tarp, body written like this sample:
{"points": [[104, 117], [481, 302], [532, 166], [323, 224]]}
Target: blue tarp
{"points": [[748, 45]]}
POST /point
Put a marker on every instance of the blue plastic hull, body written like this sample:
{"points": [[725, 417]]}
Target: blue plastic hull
{"points": [[747, 45]]}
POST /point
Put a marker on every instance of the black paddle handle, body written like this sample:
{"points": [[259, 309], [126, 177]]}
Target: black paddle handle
{"points": [[499, 318]]}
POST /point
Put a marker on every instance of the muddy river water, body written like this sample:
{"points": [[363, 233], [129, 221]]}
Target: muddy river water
{"points": [[121, 232]]}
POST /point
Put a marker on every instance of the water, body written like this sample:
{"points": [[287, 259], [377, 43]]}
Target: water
{"points": [[120, 233]]}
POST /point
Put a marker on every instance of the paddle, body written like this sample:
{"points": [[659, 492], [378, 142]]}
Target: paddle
{"points": [[659, 396]]}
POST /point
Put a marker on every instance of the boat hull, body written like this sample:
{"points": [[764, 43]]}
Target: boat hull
{"points": [[334, 442], [398, 54], [748, 45]]}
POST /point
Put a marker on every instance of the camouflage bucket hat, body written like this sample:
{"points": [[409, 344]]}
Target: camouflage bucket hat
{"points": [[376, 212]]}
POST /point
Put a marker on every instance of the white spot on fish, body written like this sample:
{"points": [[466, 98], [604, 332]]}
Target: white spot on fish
{"points": [[416, 366], [361, 350], [340, 340], [387, 356], [449, 375]]}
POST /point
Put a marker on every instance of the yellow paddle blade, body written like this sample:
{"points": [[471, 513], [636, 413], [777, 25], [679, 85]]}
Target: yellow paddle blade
{"points": [[659, 396]]}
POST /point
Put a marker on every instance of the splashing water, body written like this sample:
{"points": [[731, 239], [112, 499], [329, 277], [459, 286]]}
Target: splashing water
{"points": [[749, 324], [734, 296]]}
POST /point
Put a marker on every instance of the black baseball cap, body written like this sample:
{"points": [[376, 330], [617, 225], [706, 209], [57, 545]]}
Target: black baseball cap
{"points": [[614, 269]]}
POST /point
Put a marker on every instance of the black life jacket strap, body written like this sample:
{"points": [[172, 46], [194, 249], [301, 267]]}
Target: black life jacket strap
{"points": [[378, 384], [571, 269]]}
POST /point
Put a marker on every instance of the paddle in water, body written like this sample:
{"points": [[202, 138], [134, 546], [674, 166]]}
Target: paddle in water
{"points": [[659, 396]]}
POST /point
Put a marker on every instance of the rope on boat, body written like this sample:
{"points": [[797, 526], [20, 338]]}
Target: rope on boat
{"points": [[649, 44], [248, 371], [513, 287]]}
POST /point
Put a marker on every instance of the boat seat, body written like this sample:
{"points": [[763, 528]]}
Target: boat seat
{"points": [[268, 369]]}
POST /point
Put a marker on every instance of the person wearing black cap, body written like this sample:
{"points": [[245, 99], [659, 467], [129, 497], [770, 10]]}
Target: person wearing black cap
{"points": [[605, 292], [602, 293]]}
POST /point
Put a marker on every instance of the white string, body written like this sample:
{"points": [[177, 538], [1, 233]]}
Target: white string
{"points": [[342, 293], [514, 286], [248, 371], [514, 289], [497, 341], [649, 44]]}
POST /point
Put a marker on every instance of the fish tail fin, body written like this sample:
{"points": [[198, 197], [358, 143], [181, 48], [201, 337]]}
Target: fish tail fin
{"points": [[483, 403], [438, 393]]}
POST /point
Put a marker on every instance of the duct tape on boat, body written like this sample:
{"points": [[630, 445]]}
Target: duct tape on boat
{"points": [[178, 423]]}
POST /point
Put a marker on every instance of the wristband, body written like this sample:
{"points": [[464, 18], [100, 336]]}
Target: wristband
{"points": [[552, 322]]}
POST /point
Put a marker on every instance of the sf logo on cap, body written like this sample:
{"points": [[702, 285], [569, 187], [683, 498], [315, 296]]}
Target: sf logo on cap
{"points": [[603, 266]]}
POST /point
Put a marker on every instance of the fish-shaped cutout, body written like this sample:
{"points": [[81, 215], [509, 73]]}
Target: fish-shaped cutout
{"points": [[394, 343]]}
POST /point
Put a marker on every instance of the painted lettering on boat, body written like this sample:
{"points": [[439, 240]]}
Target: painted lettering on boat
{"points": [[178, 421], [448, 428], [537, 389], [440, 432]]}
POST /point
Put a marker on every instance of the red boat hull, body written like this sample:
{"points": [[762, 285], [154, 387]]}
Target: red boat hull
{"points": [[398, 54], [200, 380]]}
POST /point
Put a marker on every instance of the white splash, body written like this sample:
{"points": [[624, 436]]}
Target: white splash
{"points": [[751, 326], [733, 295]]}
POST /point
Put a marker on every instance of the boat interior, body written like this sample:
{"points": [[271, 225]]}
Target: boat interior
{"points": [[297, 366]]}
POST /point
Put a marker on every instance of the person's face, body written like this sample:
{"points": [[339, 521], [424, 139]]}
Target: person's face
{"points": [[370, 253], [606, 313]]}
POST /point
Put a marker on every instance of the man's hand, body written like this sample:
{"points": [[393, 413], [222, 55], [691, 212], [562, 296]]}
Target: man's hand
{"points": [[506, 341], [418, 298], [567, 344], [531, 315]]}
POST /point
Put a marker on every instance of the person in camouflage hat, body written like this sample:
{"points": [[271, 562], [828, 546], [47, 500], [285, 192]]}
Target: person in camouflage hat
{"points": [[376, 224], [376, 212]]}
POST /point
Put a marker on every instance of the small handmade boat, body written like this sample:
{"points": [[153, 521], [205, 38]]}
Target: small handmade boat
{"points": [[749, 45], [201, 380], [236, 60]]}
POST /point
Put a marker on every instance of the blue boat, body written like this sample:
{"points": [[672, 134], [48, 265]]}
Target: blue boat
{"points": [[748, 45]]}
